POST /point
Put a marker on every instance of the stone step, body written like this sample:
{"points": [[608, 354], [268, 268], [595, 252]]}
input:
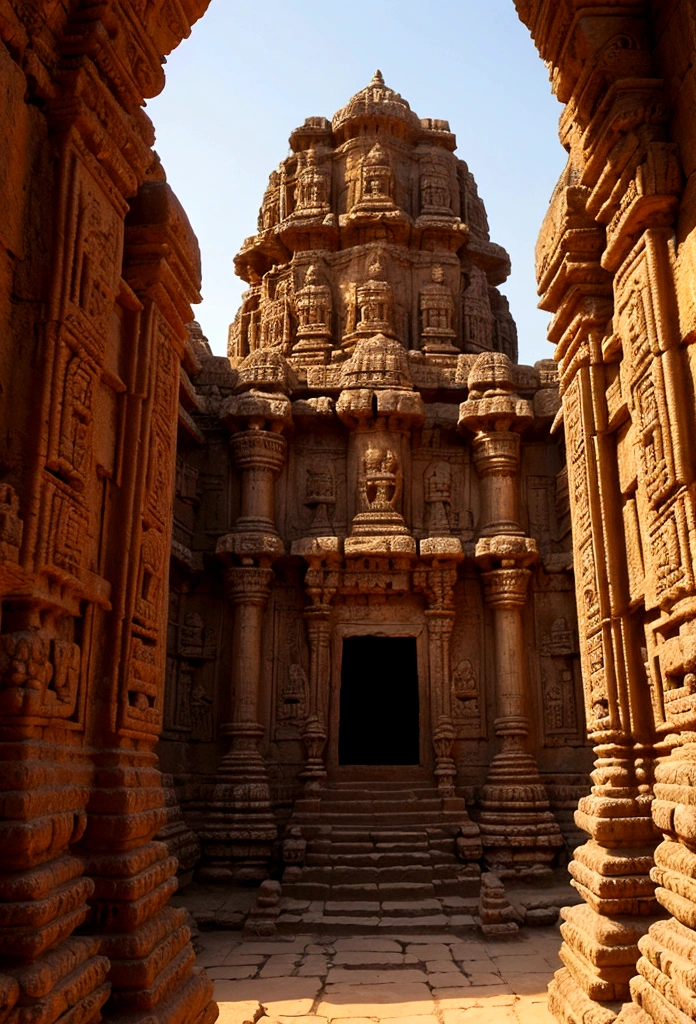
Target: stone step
{"points": [[353, 875], [378, 859], [457, 887], [379, 818], [380, 924], [306, 890], [378, 806]]}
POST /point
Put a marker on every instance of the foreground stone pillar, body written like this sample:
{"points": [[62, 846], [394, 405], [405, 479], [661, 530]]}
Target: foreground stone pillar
{"points": [[238, 834]]}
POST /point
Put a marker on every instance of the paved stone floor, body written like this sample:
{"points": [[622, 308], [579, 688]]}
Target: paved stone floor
{"points": [[438, 979]]}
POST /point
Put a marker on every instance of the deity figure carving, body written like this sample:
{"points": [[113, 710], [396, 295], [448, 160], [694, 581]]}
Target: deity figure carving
{"points": [[312, 192], [558, 642], [376, 181], [437, 488], [465, 690], [504, 326], [435, 195], [39, 676], [292, 699], [149, 577], [375, 301], [476, 313], [143, 682], [320, 495], [269, 214], [276, 325], [201, 714], [196, 641], [382, 480], [560, 711], [437, 313], [473, 210], [313, 306]]}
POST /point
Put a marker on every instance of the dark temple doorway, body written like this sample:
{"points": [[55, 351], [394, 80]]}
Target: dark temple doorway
{"points": [[379, 701]]}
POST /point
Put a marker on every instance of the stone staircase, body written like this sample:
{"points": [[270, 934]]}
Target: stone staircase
{"points": [[380, 855]]}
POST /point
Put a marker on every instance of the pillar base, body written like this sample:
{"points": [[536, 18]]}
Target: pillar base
{"points": [[238, 828], [519, 833], [569, 1003]]}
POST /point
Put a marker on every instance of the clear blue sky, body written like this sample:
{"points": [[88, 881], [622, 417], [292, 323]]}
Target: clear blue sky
{"points": [[252, 72]]}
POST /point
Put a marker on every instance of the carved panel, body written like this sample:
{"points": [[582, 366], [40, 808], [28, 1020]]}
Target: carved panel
{"points": [[467, 666], [39, 675], [316, 505], [587, 583], [93, 256], [290, 672]]}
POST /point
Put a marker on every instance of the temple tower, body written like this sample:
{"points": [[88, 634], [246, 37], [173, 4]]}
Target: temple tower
{"points": [[394, 592]]}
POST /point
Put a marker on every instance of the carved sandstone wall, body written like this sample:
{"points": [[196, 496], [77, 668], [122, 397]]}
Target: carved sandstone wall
{"points": [[616, 264], [99, 266]]}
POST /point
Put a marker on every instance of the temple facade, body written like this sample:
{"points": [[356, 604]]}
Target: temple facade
{"points": [[371, 601]]}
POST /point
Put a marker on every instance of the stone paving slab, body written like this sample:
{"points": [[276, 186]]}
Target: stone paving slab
{"points": [[364, 979], [393, 1000]]}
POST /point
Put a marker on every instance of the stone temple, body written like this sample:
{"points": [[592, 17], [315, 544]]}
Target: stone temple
{"points": [[363, 589], [372, 634]]}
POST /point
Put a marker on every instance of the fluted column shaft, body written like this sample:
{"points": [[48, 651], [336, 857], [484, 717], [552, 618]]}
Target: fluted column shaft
{"points": [[496, 455], [519, 833], [315, 731]]}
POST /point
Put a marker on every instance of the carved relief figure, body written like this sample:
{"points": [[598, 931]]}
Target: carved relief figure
{"points": [[269, 214], [476, 312], [313, 186], [437, 313], [292, 699], [381, 480], [39, 676], [465, 690], [313, 304], [438, 498], [143, 682], [558, 642], [560, 711], [377, 180], [196, 640], [201, 714], [147, 607], [320, 495], [275, 319], [375, 300]]}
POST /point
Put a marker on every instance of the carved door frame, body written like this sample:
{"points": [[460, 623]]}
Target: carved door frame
{"points": [[399, 628]]}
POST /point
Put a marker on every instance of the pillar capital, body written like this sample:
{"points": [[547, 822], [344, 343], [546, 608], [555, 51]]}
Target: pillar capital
{"points": [[258, 449], [248, 584], [505, 588], [496, 452]]}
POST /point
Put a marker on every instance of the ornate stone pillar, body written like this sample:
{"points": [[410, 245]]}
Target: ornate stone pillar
{"points": [[519, 833], [239, 831], [437, 584]]}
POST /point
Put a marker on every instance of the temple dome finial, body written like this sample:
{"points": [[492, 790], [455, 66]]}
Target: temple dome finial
{"points": [[376, 100]]}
